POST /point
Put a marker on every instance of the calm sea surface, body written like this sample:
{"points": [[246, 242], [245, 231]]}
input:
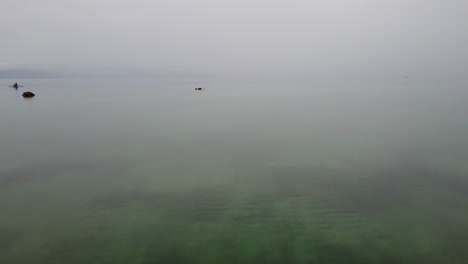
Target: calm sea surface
{"points": [[148, 172]]}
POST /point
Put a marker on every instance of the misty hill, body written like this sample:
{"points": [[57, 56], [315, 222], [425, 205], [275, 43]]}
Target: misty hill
{"points": [[93, 73], [28, 74]]}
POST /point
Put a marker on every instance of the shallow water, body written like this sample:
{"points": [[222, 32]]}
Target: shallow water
{"points": [[146, 171]]}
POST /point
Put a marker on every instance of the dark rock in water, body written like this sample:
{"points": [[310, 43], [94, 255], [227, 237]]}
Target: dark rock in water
{"points": [[28, 94], [198, 89]]}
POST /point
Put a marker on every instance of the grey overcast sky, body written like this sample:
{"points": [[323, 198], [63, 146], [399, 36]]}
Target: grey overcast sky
{"points": [[240, 36]]}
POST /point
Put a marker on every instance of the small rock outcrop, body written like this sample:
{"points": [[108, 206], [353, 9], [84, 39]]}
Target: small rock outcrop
{"points": [[198, 89], [28, 95]]}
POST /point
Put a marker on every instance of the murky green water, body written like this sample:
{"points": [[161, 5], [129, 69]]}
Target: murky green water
{"points": [[146, 172]]}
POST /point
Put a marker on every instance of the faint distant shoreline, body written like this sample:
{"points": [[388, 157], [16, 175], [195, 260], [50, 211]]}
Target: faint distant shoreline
{"points": [[29, 74], [92, 74]]}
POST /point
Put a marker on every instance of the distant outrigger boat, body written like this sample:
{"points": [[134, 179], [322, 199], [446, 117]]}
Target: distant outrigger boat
{"points": [[15, 85]]}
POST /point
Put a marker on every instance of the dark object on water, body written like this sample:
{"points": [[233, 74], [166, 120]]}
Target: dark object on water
{"points": [[15, 85], [198, 89], [28, 95]]}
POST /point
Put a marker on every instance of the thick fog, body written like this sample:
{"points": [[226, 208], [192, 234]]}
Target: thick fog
{"points": [[242, 37]]}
